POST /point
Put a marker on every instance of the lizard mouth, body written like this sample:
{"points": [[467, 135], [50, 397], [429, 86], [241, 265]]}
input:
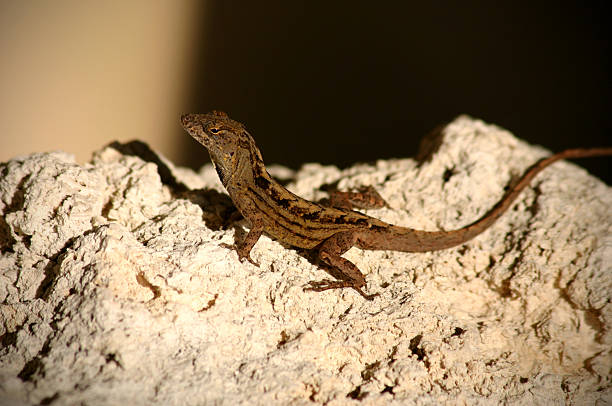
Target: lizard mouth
{"points": [[191, 124]]}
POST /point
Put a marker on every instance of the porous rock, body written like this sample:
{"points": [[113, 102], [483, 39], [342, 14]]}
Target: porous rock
{"points": [[115, 287]]}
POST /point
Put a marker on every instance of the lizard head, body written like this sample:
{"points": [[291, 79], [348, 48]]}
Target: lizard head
{"points": [[228, 142], [214, 130]]}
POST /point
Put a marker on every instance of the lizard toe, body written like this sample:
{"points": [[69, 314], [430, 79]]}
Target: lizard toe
{"points": [[241, 255]]}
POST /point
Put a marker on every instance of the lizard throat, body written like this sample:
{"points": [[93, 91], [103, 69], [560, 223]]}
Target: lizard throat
{"points": [[220, 172]]}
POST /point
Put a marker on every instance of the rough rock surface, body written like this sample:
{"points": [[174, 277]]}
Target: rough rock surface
{"points": [[114, 288]]}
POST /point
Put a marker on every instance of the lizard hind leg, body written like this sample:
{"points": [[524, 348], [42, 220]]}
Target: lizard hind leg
{"points": [[346, 273], [366, 197]]}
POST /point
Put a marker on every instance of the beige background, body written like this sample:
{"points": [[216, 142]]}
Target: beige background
{"points": [[76, 75]]}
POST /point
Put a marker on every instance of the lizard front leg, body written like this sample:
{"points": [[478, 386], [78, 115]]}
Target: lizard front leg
{"points": [[244, 247], [349, 276]]}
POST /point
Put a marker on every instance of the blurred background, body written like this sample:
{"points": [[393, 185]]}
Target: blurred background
{"points": [[314, 81]]}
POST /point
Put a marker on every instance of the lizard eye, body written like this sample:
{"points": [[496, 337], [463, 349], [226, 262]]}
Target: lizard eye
{"points": [[214, 130]]}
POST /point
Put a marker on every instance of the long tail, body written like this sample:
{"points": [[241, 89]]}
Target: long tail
{"points": [[421, 241]]}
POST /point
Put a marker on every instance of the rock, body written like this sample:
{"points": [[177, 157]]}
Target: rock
{"points": [[115, 287]]}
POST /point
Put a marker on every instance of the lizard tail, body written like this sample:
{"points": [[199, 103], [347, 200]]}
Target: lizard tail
{"points": [[409, 240]]}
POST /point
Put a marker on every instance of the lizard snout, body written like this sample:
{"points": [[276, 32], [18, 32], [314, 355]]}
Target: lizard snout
{"points": [[186, 119]]}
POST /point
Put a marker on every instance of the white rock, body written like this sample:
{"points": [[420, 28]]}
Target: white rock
{"points": [[115, 288]]}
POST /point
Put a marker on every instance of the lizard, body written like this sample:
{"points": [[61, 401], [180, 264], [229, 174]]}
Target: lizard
{"points": [[272, 209]]}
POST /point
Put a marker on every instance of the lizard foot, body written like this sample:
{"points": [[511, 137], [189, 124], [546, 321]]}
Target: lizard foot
{"points": [[326, 284], [241, 254]]}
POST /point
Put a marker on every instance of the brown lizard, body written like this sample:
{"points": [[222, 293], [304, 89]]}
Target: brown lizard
{"points": [[272, 209]]}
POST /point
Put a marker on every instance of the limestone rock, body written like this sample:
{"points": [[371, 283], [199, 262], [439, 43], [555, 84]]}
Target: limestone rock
{"points": [[115, 288]]}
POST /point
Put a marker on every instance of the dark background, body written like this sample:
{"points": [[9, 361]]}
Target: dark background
{"points": [[343, 82]]}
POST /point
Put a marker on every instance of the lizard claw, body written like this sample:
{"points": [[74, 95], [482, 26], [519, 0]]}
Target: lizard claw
{"points": [[241, 254], [248, 258], [326, 284], [318, 286]]}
